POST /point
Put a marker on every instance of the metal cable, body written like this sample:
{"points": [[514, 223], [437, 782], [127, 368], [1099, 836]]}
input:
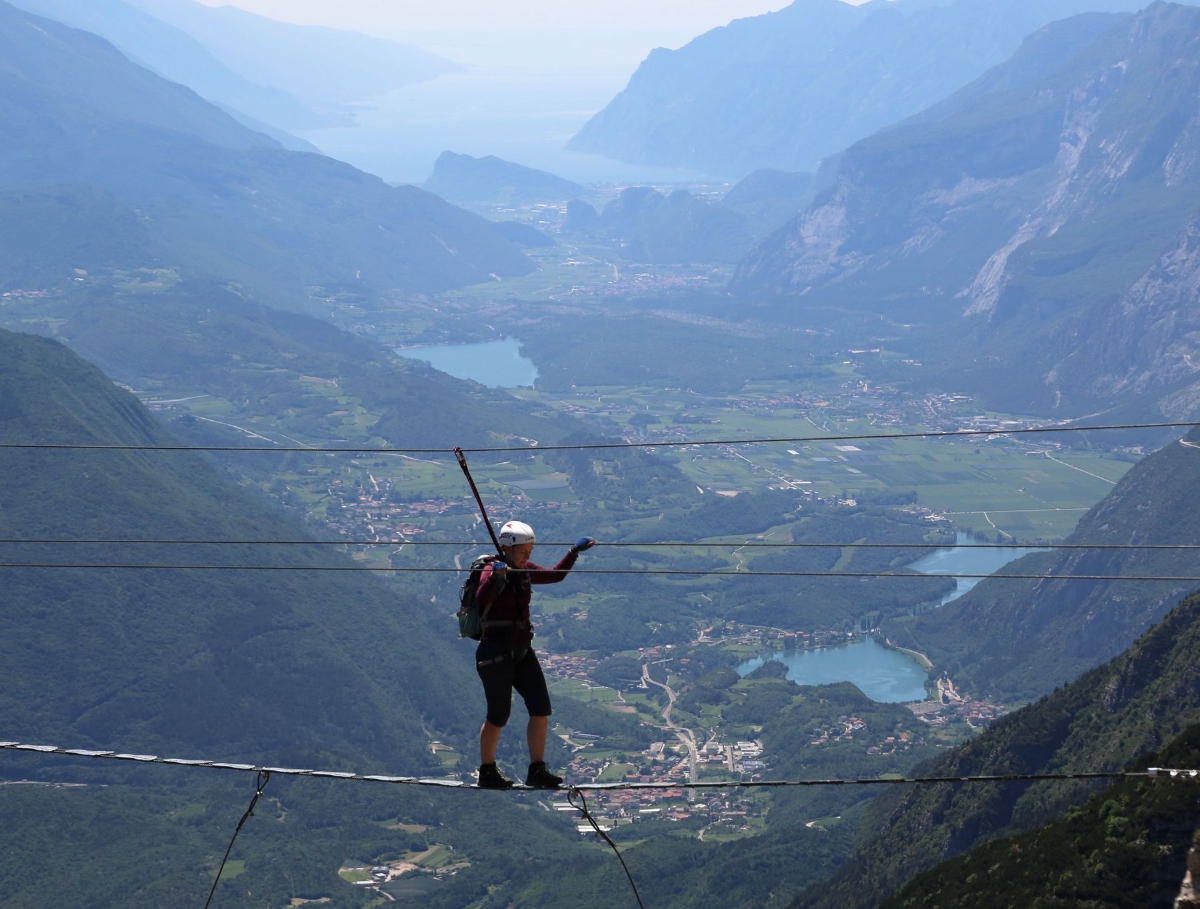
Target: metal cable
{"points": [[260, 784], [574, 792], [597, 446], [661, 572], [750, 544], [1149, 772]]}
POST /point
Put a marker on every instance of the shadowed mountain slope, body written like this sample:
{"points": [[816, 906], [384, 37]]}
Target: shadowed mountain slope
{"points": [[293, 666]]}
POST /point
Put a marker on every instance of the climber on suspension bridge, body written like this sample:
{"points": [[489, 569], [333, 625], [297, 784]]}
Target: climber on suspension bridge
{"points": [[505, 659]]}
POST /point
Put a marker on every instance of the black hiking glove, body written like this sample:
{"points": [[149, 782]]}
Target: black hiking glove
{"points": [[583, 544]]}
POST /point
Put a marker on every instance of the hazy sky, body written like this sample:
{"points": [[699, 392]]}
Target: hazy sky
{"points": [[378, 15]]}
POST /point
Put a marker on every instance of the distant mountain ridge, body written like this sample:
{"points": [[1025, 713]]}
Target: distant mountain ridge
{"points": [[681, 227], [788, 88], [222, 198], [175, 55], [324, 67], [1045, 215], [463, 178], [288, 76]]}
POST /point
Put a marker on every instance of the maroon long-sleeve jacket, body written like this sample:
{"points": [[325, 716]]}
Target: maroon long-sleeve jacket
{"points": [[509, 601]]}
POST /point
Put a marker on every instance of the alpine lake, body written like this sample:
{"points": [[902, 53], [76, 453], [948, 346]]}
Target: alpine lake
{"points": [[497, 364], [883, 673]]}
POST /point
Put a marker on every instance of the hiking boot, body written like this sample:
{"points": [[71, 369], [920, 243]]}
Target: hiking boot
{"points": [[490, 777], [540, 777]]}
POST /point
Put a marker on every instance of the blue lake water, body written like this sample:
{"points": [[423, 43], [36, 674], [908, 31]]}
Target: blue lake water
{"points": [[959, 560], [497, 364], [882, 674]]}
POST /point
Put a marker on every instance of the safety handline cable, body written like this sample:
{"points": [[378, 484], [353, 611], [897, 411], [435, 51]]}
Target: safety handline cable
{"points": [[597, 446], [661, 572], [749, 544], [1149, 773], [574, 792], [260, 783]]}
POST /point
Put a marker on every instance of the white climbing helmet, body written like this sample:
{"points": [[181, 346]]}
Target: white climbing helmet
{"points": [[514, 533]]}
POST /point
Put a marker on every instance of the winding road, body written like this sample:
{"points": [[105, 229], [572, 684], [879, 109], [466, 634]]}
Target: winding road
{"points": [[684, 734]]}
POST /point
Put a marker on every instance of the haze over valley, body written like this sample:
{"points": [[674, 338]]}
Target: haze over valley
{"points": [[861, 338]]}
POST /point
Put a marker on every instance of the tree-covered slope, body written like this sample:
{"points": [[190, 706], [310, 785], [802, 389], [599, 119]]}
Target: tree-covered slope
{"points": [[223, 199], [1017, 640], [1126, 848], [46, 232], [788, 88], [292, 665], [1104, 720]]}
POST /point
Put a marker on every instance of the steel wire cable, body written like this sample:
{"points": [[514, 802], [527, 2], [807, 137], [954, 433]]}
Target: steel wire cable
{"points": [[582, 807], [597, 446], [464, 544], [264, 777], [1164, 773], [668, 572]]}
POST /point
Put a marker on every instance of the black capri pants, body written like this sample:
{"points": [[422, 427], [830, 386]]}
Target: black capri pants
{"points": [[501, 670]]}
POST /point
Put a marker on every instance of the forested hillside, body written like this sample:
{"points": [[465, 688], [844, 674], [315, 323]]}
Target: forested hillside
{"points": [[1125, 848], [1104, 720], [239, 663], [325, 670]]}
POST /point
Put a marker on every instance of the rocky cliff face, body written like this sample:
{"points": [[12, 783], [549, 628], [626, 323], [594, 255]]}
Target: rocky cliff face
{"points": [[1057, 214], [1151, 338]]}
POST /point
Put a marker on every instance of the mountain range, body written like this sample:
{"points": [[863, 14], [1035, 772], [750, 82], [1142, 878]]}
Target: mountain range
{"points": [[223, 199], [1045, 215], [324, 67], [786, 89], [248, 64]]}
